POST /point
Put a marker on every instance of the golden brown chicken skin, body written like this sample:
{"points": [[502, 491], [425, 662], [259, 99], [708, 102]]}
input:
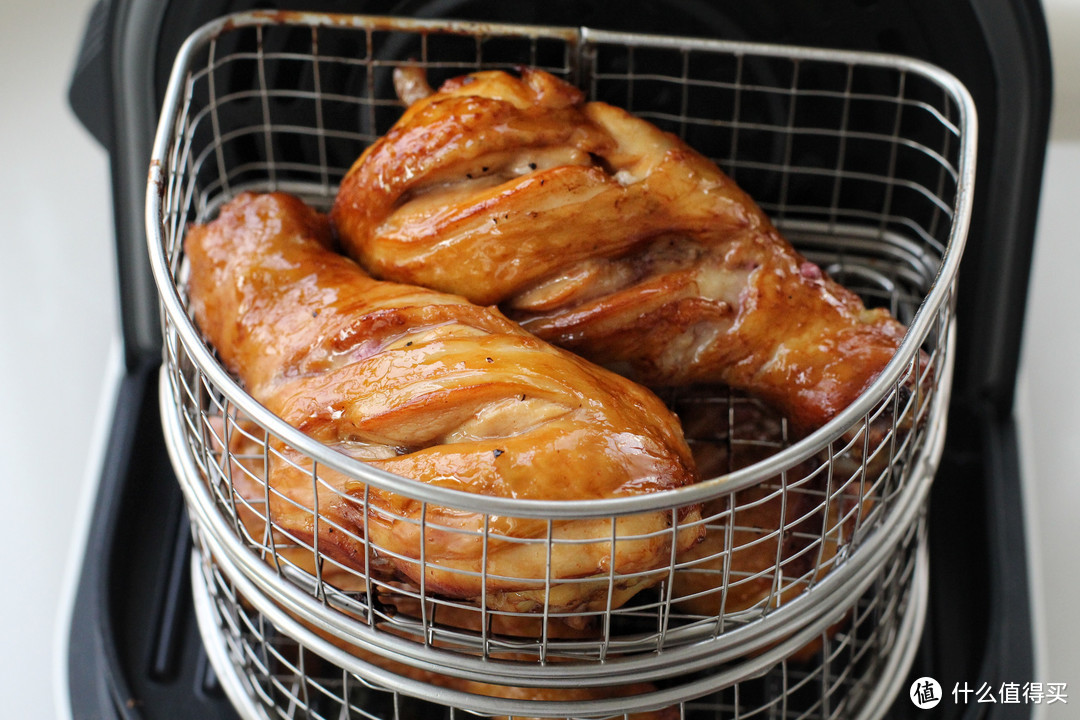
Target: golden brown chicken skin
{"points": [[600, 233], [431, 387]]}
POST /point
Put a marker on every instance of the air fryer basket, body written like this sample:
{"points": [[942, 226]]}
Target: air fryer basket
{"points": [[273, 101]]}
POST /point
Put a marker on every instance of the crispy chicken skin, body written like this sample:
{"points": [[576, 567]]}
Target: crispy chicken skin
{"points": [[431, 387], [602, 234]]}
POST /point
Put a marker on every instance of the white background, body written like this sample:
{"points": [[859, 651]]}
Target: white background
{"points": [[58, 319], [58, 328]]}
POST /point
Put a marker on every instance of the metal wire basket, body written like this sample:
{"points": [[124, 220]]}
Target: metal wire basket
{"points": [[864, 161], [849, 664]]}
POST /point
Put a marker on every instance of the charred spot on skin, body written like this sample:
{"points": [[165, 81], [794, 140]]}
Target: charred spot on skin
{"points": [[489, 359], [904, 395], [496, 452], [532, 166], [602, 163], [408, 343]]}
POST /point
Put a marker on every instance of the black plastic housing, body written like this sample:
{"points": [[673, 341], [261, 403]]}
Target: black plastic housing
{"points": [[135, 651]]}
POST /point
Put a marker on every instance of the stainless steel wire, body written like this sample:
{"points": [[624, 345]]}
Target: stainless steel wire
{"points": [[865, 162], [846, 665]]}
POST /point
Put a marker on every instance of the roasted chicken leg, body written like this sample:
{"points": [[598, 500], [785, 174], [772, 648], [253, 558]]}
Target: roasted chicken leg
{"points": [[602, 234], [431, 387]]}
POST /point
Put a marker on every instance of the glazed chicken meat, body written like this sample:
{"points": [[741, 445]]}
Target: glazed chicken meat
{"points": [[598, 232], [431, 387]]}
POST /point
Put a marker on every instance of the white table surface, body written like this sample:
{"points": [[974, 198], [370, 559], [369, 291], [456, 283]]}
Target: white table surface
{"points": [[58, 355]]}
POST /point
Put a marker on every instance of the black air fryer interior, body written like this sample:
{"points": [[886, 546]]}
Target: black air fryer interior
{"points": [[135, 649]]}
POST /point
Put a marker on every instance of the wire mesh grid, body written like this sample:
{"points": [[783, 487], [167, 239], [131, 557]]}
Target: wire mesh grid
{"points": [[815, 136], [862, 160], [835, 669]]}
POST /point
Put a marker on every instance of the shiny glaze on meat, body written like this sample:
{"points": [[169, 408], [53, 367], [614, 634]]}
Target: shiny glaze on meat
{"points": [[600, 233], [431, 387]]}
